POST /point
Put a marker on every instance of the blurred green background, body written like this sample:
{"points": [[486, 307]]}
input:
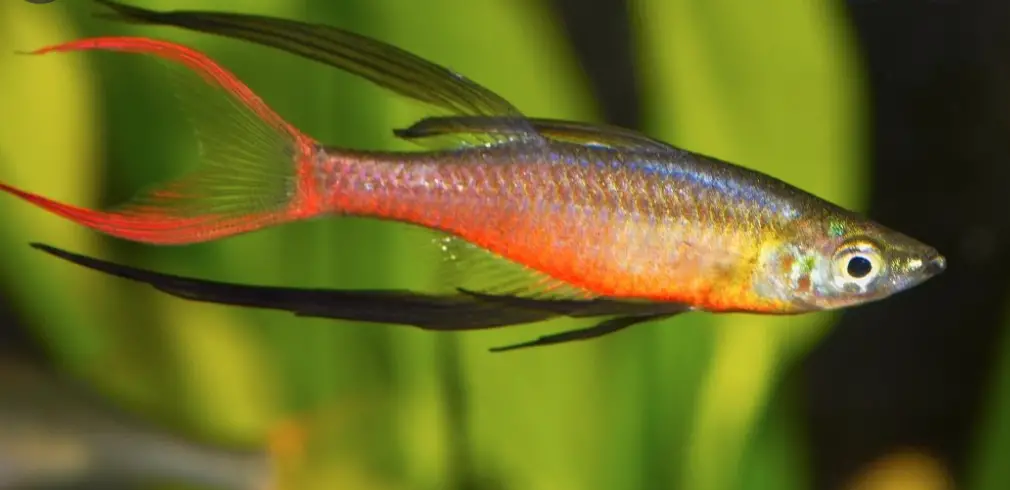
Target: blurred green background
{"points": [[693, 403]]}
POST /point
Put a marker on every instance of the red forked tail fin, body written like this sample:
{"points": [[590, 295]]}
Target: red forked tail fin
{"points": [[254, 170]]}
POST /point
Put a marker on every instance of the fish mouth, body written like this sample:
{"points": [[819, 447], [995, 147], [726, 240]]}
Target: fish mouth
{"points": [[935, 265], [919, 271]]}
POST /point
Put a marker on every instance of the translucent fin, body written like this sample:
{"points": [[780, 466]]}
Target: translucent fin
{"points": [[440, 133], [477, 270], [436, 131], [254, 169], [380, 63]]}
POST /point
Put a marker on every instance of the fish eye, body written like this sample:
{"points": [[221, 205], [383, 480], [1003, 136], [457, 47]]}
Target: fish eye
{"points": [[857, 264], [859, 267]]}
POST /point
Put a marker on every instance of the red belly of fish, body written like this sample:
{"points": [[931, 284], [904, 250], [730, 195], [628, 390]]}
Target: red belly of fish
{"points": [[606, 261]]}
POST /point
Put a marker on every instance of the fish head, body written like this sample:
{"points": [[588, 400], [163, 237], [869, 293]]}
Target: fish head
{"points": [[841, 261]]}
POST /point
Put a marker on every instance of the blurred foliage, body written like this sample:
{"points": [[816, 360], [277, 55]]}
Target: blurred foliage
{"points": [[692, 403], [990, 470]]}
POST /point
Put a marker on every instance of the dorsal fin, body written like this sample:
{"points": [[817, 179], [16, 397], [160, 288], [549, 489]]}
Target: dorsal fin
{"points": [[382, 64], [432, 131]]}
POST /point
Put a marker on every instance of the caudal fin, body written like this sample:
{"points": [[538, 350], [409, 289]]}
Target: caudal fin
{"points": [[254, 169]]}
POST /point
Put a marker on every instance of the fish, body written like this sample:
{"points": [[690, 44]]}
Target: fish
{"points": [[564, 218], [55, 433]]}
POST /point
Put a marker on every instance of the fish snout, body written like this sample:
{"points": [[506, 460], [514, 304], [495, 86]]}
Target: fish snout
{"points": [[936, 265]]}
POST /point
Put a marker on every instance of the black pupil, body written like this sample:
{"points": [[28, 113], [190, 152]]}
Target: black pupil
{"points": [[859, 267]]}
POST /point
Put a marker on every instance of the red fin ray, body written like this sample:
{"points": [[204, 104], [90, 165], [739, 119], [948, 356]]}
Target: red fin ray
{"points": [[254, 169]]}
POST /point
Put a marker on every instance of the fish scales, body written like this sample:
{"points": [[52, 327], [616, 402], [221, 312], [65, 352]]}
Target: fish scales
{"points": [[617, 223]]}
